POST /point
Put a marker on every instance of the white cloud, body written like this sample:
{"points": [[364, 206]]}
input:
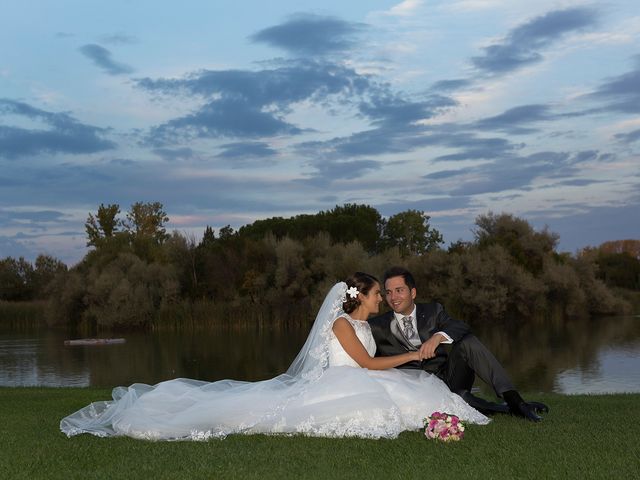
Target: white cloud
{"points": [[405, 8], [473, 5], [407, 48]]}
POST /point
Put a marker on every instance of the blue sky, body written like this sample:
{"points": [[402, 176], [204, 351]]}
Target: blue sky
{"points": [[228, 112]]}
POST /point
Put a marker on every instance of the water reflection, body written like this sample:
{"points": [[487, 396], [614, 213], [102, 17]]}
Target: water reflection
{"points": [[577, 356], [614, 370], [570, 356], [41, 358], [35, 360]]}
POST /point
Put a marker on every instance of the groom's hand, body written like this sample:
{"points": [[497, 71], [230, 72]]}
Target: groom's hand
{"points": [[428, 348]]}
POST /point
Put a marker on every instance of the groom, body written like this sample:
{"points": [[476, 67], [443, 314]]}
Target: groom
{"points": [[447, 347]]}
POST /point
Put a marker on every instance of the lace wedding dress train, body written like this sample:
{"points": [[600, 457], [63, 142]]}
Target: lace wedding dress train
{"points": [[324, 393]]}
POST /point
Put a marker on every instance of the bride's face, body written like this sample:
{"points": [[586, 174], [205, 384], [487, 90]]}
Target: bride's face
{"points": [[371, 301]]}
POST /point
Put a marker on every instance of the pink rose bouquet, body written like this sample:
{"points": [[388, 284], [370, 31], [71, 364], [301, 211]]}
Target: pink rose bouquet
{"points": [[445, 427]]}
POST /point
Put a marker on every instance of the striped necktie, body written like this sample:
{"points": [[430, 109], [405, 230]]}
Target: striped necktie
{"points": [[407, 327]]}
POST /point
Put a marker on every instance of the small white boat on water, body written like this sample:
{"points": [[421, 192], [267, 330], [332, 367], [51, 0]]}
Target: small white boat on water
{"points": [[93, 341]]}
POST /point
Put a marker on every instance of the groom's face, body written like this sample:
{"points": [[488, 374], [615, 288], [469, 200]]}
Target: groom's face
{"points": [[399, 296]]}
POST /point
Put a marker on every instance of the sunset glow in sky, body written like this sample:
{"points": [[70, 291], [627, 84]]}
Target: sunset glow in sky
{"points": [[228, 112]]}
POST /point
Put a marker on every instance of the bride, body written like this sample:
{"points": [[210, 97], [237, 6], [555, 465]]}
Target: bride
{"points": [[335, 387]]}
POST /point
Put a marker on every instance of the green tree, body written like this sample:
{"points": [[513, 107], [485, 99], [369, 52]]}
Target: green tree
{"points": [[564, 293], [145, 227], [208, 238], [629, 246], [105, 232], [129, 292], [486, 284], [600, 300], [182, 253], [221, 264], [411, 233], [459, 247], [46, 268], [226, 233], [66, 299], [146, 220], [292, 276], [346, 223], [103, 226], [526, 246], [619, 270], [352, 222], [16, 279]]}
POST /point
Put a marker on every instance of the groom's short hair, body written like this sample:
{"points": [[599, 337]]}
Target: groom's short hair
{"points": [[399, 272]]}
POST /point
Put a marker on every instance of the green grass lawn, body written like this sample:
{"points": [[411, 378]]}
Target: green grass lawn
{"points": [[582, 437]]}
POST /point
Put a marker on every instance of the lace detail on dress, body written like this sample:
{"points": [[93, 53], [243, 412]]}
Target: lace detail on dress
{"points": [[379, 424], [337, 355]]}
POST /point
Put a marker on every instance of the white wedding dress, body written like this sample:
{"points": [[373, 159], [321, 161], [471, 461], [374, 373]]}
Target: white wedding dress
{"points": [[324, 393]]}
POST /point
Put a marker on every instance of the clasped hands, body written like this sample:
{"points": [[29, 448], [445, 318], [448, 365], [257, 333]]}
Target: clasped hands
{"points": [[428, 349]]}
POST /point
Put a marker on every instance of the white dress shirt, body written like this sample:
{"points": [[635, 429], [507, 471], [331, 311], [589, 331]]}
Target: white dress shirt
{"points": [[415, 339]]}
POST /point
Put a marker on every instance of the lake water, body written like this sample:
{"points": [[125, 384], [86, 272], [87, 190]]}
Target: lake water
{"points": [[575, 356]]}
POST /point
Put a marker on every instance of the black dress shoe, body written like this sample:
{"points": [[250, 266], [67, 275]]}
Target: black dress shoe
{"points": [[484, 406], [526, 410], [539, 407], [520, 408]]}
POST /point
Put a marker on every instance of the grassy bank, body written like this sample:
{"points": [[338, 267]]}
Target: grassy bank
{"points": [[582, 437]]}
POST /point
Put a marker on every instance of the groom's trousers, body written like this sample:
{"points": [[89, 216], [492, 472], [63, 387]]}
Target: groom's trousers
{"points": [[469, 357]]}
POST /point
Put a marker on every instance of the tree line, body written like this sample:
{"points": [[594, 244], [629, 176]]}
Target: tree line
{"points": [[136, 275]]}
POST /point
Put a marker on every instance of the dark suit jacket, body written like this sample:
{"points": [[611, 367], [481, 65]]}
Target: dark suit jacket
{"points": [[431, 318]]}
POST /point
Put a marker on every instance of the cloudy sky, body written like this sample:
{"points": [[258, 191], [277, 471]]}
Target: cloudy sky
{"points": [[231, 111]]}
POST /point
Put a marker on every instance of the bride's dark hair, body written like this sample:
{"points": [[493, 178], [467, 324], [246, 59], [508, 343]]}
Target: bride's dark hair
{"points": [[363, 282]]}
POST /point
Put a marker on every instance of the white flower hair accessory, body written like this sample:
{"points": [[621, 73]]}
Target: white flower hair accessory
{"points": [[353, 292]]}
